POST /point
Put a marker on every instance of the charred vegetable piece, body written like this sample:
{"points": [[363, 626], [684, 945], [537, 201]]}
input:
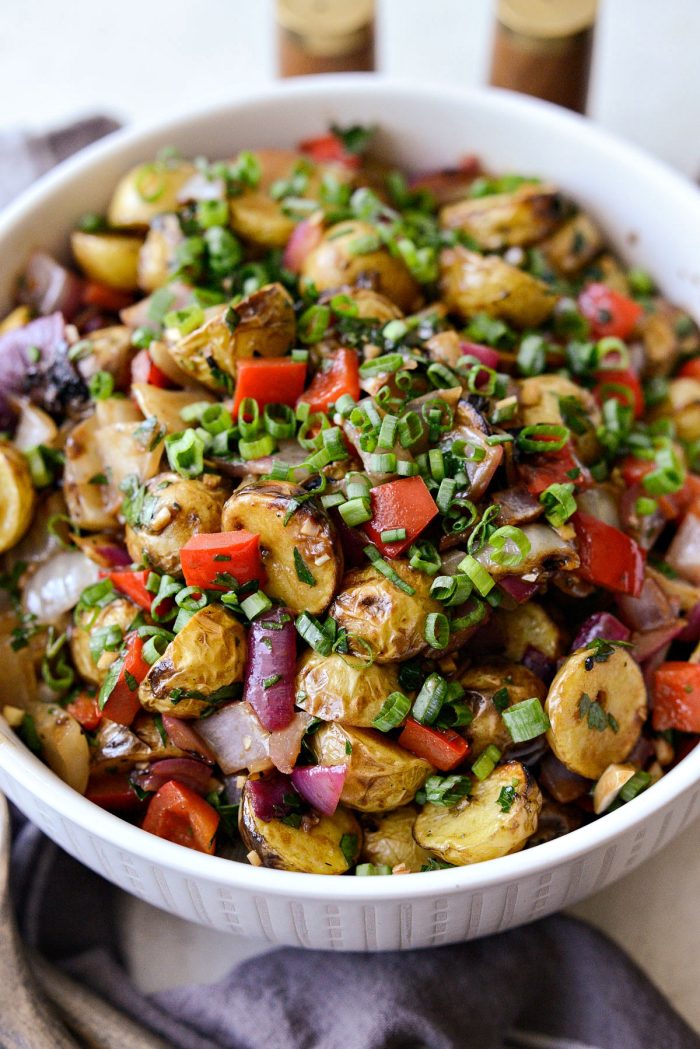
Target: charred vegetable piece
{"points": [[388, 840], [178, 814], [473, 284], [502, 220], [336, 688]]}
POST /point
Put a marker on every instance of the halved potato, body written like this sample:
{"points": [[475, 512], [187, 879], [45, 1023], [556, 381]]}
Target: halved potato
{"points": [[108, 258], [371, 305], [312, 848], [511, 683], [502, 220], [573, 245], [381, 775], [390, 621], [206, 656], [473, 283], [146, 191], [286, 526], [158, 253], [388, 839], [131, 449], [497, 819], [64, 747], [540, 400], [174, 509], [17, 496], [596, 710], [329, 688], [119, 612], [338, 260], [262, 324], [527, 626], [91, 506], [166, 405]]}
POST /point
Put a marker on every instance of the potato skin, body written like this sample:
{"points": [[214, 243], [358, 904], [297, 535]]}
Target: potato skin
{"points": [[473, 283], [526, 625], [129, 208], [381, 774], [119, 747], [481, 682], [174, 510], [119, 612], [329, 688], [388, 839], [478, 829], [17, 496], [208, 654], [64, 746], [315, 850], [573, 245], [618, 685], [502, 220], [108, 258], [262, 507], [389, 620], [332, 264]]}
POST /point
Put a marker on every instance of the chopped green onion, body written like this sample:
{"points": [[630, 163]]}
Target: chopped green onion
{"points": [[429, 701], [389, 362], [644, 506], [437, 630], [405, 468], [387, 571], [387, 432], [559, 503], [186, 599], [424, 557], [476, 572], [486, 762], [393, 712], [313, 324], [185, 320], [101, 385], [279, 421], [382, 463], [258, 448], [309, 628], [445, 790], [393, 535], [154, 648], [543, 437], [442, 377], [669, 475], [436, 462], [345, 404], [508, 547], [635, 785], [212, 213], [610, 347], [470, 619], [333, 443], [525, 720], [357, 486], [532, 355], [371, 870], [640, 282], [185, 452], [410, 429], [445, 494], [255, 604], [355, 512], [332, 499]]}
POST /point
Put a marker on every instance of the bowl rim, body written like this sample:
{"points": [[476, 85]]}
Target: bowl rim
{"points": [[37, 779]]}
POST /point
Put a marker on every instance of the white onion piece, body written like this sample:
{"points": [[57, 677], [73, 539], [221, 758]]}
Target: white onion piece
{"points": [[684, 551], [236, 738], [285, 743], [57, 584], [600, 502], [34, 426]]}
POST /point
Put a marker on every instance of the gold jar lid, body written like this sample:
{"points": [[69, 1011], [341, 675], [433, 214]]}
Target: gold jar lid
{"points": [[547, 19], [327, 27]]}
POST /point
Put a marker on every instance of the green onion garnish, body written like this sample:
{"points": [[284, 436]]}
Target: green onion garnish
{"points": [[486, 762], [559, 503], [477, 573], [543, 437], [437, 630], [429, 701], [525, 720], [355, 512], [393, 712]]}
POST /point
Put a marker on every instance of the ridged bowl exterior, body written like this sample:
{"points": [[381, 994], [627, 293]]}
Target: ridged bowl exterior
{"points": [[652, 215]]}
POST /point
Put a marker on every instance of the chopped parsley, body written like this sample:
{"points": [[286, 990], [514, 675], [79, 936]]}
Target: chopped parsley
{"points": [[596, 717], [303, 573]]}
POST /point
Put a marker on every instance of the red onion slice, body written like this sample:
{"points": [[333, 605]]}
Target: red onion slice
{"points": [[47, 287], [268, 794], [183, 735], [45, 334], [691, 630], [649, 642], [307, 235], [485, 354], [320, 785], [193, 774], [600, 625], [236, 739], [650, 610], [517, 588], [539, 664], [284, 745], [269, 682]]}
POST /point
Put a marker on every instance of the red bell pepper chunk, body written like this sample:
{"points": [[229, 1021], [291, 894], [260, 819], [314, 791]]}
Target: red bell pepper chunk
{"points": [[112, 791], [608, 312], [621, 385], [143, 369], [84, 709], [676, 692], [277, 380], [340, 374], [112, 299], [212, 554], [444, 748], [122, 704], [177, 814], [537, 472], [691, 369], [609, 558], [406, 503], [329, 149], [133, 584]]}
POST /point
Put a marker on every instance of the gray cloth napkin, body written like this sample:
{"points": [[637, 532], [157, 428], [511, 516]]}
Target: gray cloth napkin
{"points": [[557, 984]]}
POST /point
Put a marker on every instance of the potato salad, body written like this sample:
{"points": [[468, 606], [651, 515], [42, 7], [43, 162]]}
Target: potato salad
{"points": [[349, 517]]}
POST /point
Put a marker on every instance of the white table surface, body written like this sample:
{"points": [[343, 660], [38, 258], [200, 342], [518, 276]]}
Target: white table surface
{"points": [[142, 61]]}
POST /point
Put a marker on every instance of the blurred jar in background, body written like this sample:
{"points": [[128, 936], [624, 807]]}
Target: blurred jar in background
{"points": [[544, 48], [325, 36]]}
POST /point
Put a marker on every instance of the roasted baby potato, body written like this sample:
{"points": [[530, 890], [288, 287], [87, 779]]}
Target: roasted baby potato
{"points": [[262, 324], [682, 404], [573, 245], [91, 506], [373, 306], [511, 684], [473, 283], [120, 613], [596, 709], [527, 626], [497, 819], [158, 253], [204, 659], [119, 748], [337, 261], [501, 220], [328, 687], [381, 775], [166, 405], [314, 847], [388, 839], [108, 258], [64, 747], [130, 449], [390, 621], [540, 400], [146, 191], [289, 531], [17, 496], [173, 510]]}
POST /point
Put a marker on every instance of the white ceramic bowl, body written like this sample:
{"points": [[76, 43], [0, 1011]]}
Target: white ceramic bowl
{"points": [[653, 216]]}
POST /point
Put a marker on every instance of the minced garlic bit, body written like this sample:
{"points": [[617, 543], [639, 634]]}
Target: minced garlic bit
{"points": [[254, 859]]}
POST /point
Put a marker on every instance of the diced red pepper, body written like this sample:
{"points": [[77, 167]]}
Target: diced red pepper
{"points": [[405, 503], [537, 472], [609, 558], [691, 369], [122, 704], [112, 791], [444, 748], [84, 709], [610, 379], [112, 299], [177, 814], [277, 380], [676, 692], [143, 369], [608, 312], [673, 504], [340, 374], [133, 584], [208, 555], [329, 149]]}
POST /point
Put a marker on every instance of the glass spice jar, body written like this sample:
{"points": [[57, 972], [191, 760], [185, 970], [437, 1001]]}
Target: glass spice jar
{"points": [[325, 36]]}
